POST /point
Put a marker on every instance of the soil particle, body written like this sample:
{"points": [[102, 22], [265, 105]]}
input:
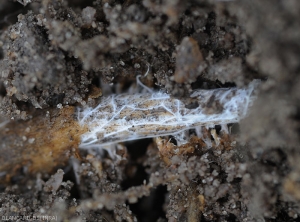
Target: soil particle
{"points": [[189, 61]]}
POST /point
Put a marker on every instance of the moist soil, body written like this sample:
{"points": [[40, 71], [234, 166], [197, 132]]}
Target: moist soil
{"points": [[57, 55]]}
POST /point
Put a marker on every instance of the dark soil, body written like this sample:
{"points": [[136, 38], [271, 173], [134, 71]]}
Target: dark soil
{"points": [[57, 53]]}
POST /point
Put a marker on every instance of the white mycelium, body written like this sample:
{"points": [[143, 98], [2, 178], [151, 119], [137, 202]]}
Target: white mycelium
{"points": [[127, 117]]}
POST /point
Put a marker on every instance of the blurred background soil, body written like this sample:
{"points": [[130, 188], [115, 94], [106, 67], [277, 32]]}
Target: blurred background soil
{"points": [[58, 54]]}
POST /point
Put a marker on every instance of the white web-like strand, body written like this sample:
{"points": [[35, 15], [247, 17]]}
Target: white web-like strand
{"points": [[127, 117]]}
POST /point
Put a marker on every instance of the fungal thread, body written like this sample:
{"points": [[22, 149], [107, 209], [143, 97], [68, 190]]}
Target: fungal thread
{"points": [[126, 117]]}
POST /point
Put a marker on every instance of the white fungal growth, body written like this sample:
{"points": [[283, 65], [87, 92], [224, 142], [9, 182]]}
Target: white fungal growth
{"points": [[129, 117]]}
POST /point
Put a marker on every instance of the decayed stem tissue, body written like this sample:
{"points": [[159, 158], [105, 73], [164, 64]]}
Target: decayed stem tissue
{"points": [[127, 117]]}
